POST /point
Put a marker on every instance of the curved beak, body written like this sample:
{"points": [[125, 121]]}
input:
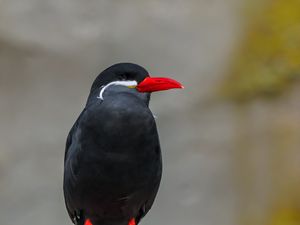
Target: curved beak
{"points": [[152, 84]]}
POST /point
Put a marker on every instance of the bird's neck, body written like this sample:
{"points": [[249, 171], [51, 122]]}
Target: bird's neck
{"points": [[114, 91]]}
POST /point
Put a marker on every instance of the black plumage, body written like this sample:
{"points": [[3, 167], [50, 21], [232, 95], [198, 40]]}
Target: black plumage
{"points": [[113, 166]]}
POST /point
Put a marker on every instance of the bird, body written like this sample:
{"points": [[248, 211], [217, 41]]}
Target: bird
{"points": [[113, 162]]}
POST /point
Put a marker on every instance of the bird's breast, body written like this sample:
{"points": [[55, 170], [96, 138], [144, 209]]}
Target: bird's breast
{"points": [[119, 142]]}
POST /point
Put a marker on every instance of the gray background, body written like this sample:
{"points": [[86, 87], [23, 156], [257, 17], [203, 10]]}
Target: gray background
{"points": [[50, 52]]}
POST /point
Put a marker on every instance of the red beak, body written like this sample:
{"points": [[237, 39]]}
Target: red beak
{"points": [[151, 84]]}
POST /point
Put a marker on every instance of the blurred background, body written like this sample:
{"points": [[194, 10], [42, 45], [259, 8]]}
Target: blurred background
{"points": [[230, 139]]}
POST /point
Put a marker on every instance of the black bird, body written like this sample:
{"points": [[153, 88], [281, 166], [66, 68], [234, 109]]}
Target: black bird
{"points": [[112, 165]]}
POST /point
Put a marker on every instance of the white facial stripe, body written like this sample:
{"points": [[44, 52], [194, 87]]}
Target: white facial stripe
{"points": [[126, 83]]}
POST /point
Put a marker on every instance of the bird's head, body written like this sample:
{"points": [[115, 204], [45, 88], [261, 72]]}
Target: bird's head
{"points": [[131, 76]]}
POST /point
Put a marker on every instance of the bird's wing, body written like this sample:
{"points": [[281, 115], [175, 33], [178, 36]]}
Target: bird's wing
{"points": [[69, 148], [71, 133], [148, 204], [66, 192]]}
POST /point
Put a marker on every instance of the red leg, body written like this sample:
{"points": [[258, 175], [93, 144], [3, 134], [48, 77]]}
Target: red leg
{"points": [[131, 222], [88, 222]]}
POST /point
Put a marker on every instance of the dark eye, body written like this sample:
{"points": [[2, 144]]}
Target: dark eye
{"points": [[122, 77]]}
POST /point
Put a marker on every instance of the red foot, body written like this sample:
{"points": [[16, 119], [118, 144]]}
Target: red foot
{"points": [[88, 222], [131, 222]]}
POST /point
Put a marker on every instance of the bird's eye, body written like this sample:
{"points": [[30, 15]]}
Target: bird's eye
{"points": [[122, 77]]}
